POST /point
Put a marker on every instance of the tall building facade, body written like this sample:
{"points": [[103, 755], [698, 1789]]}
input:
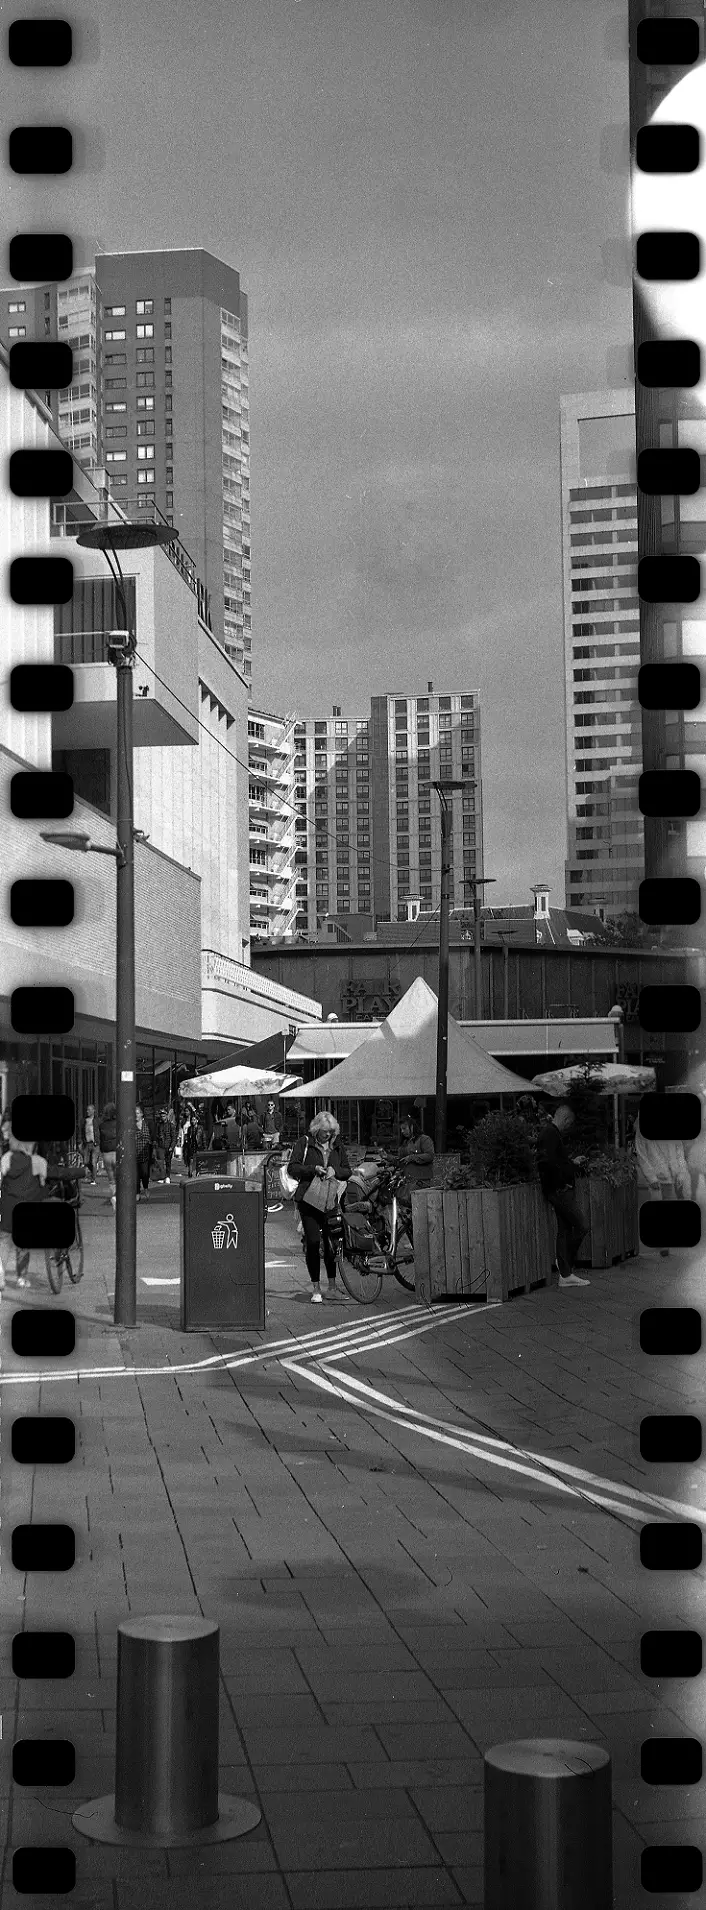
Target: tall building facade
{"points": [[605, 833], [368, 826], [160, 400], [69, 312], [668, 525], [176, 414], [272, 840]]}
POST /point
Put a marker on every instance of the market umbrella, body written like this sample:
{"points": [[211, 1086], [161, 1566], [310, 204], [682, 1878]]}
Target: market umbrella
{"points": [[610, 1077], [228, 1084], [397, 1061]]}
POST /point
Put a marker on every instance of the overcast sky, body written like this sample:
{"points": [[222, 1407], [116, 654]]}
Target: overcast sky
{"points": [[413, 194]]}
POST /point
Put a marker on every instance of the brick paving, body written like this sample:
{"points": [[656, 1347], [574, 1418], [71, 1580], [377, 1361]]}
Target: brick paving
{"points": [[393, 1598]]}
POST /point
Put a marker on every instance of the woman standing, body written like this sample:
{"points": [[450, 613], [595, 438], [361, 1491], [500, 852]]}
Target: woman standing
{"points": [[318, 1155]]}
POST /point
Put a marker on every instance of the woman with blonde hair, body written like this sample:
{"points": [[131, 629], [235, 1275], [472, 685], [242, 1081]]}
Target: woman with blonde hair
{"points": [[318, 1155]]}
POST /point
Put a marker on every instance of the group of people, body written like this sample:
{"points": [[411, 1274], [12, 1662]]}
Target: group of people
{"points": [[230, 1133], [154, 1146], [23, 1174]]}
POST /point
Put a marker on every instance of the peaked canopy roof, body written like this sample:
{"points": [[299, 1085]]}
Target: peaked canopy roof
{"points": [[399, 1060]]}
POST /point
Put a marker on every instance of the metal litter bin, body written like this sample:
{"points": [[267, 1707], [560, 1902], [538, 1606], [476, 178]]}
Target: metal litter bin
{"points": [[222, 1256]]}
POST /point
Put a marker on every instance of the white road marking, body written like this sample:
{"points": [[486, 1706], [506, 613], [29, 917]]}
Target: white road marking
{"points": [[310, 1345], [626, 1499]]}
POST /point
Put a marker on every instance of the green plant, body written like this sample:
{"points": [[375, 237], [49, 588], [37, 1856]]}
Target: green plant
{"points": [[500, 1154]]}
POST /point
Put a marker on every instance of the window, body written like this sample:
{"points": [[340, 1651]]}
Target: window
{"points": [[168, 307], [144, 306], [18, 331], [115, 311], [167, 354], [143, 331], [18, 306], [167, 331], [169, 478], [145, 355], [167, 378], [116, 457], [143, 379], [145, 451], [145, 477], [113, 335], [116, 384], [170, 500], [168, 402], [145, 428], [145, 404], [169, 447], [115, 430], [114, 407]]}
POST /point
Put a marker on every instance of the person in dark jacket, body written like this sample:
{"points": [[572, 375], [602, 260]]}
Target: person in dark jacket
{"points": [[320, 1154], [108, 1142], [557, 1174], [253, 1133], [144, 1149], [23, 1173]]}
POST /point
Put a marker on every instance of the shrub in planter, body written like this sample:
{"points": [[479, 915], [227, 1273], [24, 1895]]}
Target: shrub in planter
{"points": [[500, 1153]]}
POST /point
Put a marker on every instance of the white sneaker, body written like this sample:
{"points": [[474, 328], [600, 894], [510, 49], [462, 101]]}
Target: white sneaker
{"points": [[317, 1294], [168, 1180], [113, 1201], [572, 1280]]}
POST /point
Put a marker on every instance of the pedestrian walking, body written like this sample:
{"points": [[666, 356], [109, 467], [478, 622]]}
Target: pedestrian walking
{"points": [[189, 1142], [23, 1174], [271, 1125], [557, 1175], [90, 1147], [316, 1156], [234, 1132], [164, 1138], [144, 1148], [108, 1143]]}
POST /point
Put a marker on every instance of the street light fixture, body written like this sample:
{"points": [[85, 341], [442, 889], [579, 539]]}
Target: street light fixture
{"points": [[111, 536]]}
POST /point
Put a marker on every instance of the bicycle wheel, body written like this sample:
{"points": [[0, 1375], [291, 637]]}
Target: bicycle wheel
{"points": [[363, 1283], [74, 1259], [54, 1262]]}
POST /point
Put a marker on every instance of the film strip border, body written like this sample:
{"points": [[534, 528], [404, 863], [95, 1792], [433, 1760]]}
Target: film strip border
{"points": [[663, 45], [47, 1440]]}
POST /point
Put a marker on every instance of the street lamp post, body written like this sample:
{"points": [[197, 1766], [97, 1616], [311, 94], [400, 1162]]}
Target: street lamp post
{"points": [[444, 790], [110, 537]]}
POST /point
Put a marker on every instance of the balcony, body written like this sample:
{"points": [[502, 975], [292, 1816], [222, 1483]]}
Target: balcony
{"points": [[165, 678]]}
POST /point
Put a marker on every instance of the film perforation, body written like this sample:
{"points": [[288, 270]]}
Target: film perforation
{"points": [[40, 42], [46, 1440], [42, 795], [40, 149]]}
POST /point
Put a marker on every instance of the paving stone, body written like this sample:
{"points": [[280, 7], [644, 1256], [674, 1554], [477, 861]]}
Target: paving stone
{"points": [[418, 1889]]}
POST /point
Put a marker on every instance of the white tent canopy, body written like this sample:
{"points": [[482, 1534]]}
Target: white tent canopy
{"points": [[230, 1084], [397, 1061]]}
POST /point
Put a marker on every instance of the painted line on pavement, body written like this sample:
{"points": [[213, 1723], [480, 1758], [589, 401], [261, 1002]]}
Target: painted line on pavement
{"points": [[311, 1345], [548, 1471]]}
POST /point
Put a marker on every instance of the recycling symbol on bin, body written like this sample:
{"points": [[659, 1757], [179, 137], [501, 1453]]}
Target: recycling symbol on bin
{"points": [[225, 1233]]}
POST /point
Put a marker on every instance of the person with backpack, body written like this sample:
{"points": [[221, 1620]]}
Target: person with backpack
{"points": [[23, 1174]]}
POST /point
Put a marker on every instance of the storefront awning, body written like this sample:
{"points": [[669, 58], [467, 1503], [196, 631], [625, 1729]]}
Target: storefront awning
{"points": [[334, 1041]]}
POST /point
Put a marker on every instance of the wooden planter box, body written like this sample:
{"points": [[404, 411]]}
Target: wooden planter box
{"points": [[612, 1214], [489, 1243]]}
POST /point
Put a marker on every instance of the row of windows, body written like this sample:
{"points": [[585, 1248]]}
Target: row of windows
{"points": [[144, 307]]}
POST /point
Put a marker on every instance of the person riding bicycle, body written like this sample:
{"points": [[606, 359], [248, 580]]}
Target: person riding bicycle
{"points": [[23, 1174]]}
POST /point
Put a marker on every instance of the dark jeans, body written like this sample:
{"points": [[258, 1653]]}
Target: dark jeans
{"points": [[143, 1172], [316, 1237], [571, 1227]]}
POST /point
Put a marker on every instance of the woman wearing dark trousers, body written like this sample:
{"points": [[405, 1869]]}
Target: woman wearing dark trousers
{"points": [[318, 1155]]}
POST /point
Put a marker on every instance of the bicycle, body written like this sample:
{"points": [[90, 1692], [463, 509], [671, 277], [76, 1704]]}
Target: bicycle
{"points": [[59, 1260], [390, 1221]]}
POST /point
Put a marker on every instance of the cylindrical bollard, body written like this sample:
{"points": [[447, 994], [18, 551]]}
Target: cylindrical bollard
{"points": [[548, 1826], [166, 1751]]}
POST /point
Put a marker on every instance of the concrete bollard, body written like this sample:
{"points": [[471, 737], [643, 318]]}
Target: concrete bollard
{"points": [[166, 1751], [548, 1826]]}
